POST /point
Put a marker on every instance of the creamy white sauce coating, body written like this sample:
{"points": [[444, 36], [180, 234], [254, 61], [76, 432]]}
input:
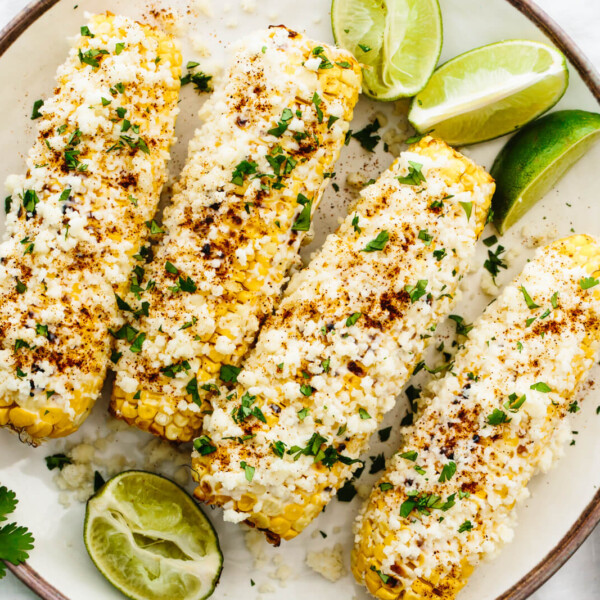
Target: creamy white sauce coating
{"points": [[353, 370], [236, 242], [511, 348], [72, 251]]}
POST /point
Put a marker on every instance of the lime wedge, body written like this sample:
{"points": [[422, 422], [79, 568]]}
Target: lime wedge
{"points": [[151, 540], [398, 41], [534, 159], [490, 91]]}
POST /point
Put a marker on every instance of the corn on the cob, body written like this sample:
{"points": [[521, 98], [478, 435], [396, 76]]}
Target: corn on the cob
{"points": [[347, 335], [76, 219], [486, 428], [256, 170]]}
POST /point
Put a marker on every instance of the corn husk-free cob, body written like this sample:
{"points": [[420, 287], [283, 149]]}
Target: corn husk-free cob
{"points": [[78, 217], [256, 171], [446, 500], [353, 325]]}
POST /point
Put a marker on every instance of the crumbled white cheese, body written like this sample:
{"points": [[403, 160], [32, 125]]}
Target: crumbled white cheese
{"points": [[346, 337], [328, 562], [501, 412]]}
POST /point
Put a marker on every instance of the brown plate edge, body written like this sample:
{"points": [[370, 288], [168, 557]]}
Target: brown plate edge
{"points": [[590, 517]]}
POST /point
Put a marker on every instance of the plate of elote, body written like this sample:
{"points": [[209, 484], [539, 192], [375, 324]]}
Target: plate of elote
{"points": [[223, 264]]}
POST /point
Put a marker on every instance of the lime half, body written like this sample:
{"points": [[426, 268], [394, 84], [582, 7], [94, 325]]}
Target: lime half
{"points": [[534, 159], [151, 540], [398, 41], [490, 91]]}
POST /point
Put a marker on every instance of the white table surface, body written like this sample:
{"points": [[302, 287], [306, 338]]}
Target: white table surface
{"points": [[580, 577]]}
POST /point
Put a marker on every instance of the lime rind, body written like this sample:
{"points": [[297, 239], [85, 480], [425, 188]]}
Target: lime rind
{"points": [[405, 43], [536, 158], [466, 102], [150, 540]]}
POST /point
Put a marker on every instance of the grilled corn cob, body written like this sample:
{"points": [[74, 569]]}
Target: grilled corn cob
{"points": [[256, 171], [76, 219], [486, 429], [345, 339]]}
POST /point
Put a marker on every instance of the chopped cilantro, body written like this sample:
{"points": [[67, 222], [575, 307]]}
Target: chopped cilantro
{"points": [[347, 492], [35, 113], [439, 254], [462, 328], [468, 208], [466, 526], [303, 413], [58, 461], [498, 417], [363, 414], [246, 167], [414, 176], [316, 100], [377, 463], [494, 263], [306, 390], [278, 448], [302, 222], [282, 125], [448, 471], [416, 291], [411, 455], [588, 282], [540, 386], [203, 445], [248, 470], [384, 578], [200, 80], [229, 373], [367, 137], [425, 236], [352, 319], [378, 243], [530, 303], [514, 402], [384, 434]]}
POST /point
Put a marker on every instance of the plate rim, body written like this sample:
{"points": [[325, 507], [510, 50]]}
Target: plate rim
{"points": [[590, 517]]}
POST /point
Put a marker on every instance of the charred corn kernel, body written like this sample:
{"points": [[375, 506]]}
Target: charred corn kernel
{"points": [[255, 172], [330, 362], [76, 220], [484, 431]]}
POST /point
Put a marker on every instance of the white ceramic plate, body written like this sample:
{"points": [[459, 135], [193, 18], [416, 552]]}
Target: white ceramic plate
{"points": [[564, 505]]}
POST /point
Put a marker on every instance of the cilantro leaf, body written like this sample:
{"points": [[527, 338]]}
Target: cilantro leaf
{"points": [[498, 417], [57, 461], [302, 223], [229, 373], [531, 305], [494, 263], [447, 471], [414, 176], [378, 243], [15, 541], [367, 137], [588, 282], [8, 502], [35, 113]]}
